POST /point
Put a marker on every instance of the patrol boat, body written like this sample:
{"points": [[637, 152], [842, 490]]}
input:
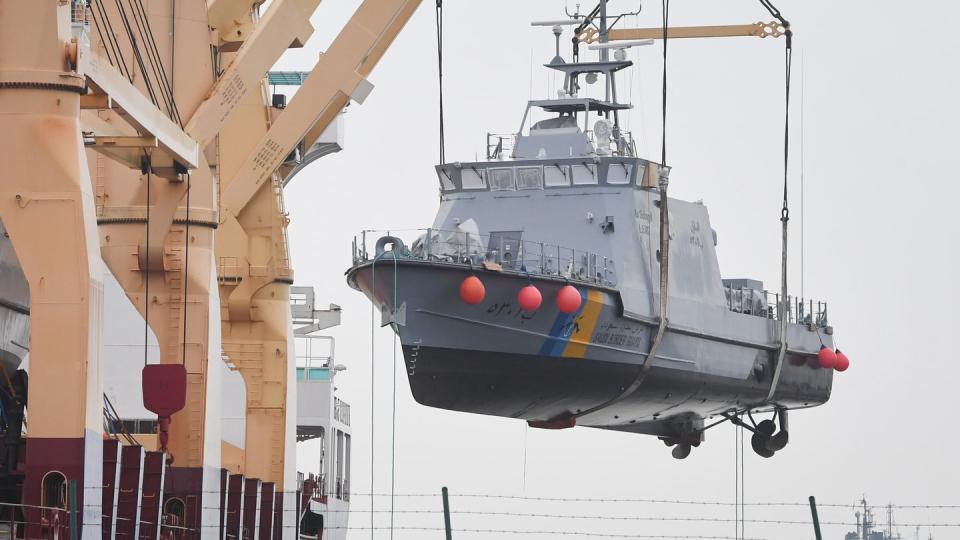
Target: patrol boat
{"points": [[538, 291]]}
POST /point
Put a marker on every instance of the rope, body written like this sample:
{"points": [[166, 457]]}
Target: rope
{"points": [[173, 42], [393, 427], [162, 79], [136, 53], [112, 40], [373, 326], [743, 487], [803, 205], [186, 271], [99, 26], [146, 269], [440, 75], [785, 210], [138, 19], [145, 31], [664, 248], [663, 140], [736, 485]]}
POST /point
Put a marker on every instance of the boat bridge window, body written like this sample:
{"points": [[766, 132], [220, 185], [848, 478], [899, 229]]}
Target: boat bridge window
{"points": [[556, 175], [501, 179], [619, 173], [446, 182], [473, 178], [584, 174], [529, 177]]}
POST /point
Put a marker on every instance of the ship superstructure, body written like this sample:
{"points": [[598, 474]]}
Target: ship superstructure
{"points": [[868, 528], [323, 421]]}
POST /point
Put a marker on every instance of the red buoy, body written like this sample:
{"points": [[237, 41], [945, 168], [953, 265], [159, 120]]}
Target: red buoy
{"points": [[842, 362], [472, 290], [568, 299], [529, 298], [827, 358]]}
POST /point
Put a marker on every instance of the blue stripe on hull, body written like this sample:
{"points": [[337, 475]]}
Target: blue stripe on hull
{"points": [[561, 330]]}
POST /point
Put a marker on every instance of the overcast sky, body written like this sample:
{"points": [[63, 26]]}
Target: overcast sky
{"points": [[880, 87]]}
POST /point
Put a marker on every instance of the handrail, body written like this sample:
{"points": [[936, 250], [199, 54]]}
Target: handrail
{"points": [[305, 356], [512, 255], [764, 303]]}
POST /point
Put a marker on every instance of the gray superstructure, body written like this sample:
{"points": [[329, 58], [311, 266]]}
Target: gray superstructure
{"points": [[557, 204]]}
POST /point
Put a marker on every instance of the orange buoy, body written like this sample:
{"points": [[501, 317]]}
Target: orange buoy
{"points": [[826, 357], [842, 362], [568, 299], [472, 290], [529, 298]]}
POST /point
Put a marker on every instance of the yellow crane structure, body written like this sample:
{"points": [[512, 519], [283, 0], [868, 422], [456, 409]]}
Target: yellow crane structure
{"points": [[150, 143]]}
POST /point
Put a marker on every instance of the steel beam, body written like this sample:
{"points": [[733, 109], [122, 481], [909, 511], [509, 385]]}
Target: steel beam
{"points": [[126, 150], [284, 22], [343, 70], [138, 111], [759, 29]]}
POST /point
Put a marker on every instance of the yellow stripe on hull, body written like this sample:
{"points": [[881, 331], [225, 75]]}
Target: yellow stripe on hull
{"points": [[585, 323]]}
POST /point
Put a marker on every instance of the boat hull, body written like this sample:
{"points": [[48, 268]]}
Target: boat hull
{"points": [[494, 358]]}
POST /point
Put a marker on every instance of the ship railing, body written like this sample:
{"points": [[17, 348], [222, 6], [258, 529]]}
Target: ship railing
{"points": [[767, 304], [341, 411], [19, 520], [500, 145], [314, 356], [526, 257], [320, 494], [79, 13]]}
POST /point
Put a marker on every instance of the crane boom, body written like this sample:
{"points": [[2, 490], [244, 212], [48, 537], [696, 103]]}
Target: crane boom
{"points": [[285, 21], [758, 29], [343, 68]]}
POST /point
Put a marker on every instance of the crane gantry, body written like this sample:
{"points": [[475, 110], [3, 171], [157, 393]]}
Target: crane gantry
{"points": [[158, 152]]}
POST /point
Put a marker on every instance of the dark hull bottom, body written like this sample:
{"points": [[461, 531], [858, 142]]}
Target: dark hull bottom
{"points": [[546, 388]]}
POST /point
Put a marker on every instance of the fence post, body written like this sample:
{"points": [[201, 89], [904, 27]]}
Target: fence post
{"points": [[72, 504], [446, 513], [816, 519]]}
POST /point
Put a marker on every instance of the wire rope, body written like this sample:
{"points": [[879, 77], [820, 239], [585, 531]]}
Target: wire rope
{"points": [[146, 266], [186, 270], [439, 25]]}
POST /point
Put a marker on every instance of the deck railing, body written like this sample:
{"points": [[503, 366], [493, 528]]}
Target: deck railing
{"points": [[341, 411], [512, 255], [763, 303], [500, 145]]}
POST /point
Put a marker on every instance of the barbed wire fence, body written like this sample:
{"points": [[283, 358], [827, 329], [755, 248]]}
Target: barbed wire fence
{"points": [[492, 515]]}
